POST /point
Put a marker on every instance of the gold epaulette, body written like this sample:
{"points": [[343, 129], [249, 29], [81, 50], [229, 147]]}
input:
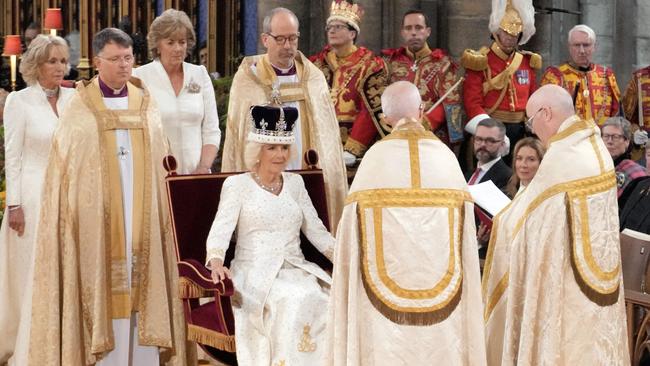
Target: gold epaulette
{"points": [[535, 59], [475, 60]]}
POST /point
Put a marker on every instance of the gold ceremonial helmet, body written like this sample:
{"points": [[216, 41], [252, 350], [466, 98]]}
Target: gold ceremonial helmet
{"points": [[515, 17], [348, 13], [511, 21]]}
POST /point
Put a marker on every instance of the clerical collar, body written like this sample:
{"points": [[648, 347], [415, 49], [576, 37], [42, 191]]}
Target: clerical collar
{"points": [[108, 92], [425, 51], [285, 72]]}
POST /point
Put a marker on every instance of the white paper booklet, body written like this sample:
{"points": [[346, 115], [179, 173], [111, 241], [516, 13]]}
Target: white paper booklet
{"points": [[489, 197]]}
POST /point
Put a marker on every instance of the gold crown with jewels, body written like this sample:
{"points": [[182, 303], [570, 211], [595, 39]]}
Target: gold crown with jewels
{"points": [[346, 12]]}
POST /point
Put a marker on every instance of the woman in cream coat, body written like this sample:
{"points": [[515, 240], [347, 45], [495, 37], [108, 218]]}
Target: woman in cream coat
{"points": [[30, 118], [183, 93]]}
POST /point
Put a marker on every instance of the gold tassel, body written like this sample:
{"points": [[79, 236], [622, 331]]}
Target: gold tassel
{"points": [[190, 290], [211, 338], [418, 319]]}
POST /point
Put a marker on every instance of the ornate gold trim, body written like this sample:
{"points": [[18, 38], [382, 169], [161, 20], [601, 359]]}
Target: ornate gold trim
{"points": [[579, 187], [594, 144], [580, 125], [376, 200]]}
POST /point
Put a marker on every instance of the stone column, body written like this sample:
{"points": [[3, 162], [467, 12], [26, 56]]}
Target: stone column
{"points": [[642, 34], [467, 25]]}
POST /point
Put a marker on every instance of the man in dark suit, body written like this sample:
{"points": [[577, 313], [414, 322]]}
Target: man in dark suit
{"points": [[489, 142]]}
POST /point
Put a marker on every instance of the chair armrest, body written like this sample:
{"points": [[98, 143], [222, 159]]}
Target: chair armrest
{"points": [[200, 276]]}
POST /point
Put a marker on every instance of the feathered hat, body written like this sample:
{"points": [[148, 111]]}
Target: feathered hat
{"points": [[348, 13], [271, 124], [514, 17]]}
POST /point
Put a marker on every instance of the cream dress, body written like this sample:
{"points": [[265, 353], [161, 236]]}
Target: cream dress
{"points": [[29, 123], [281, 299], [190, 119]]}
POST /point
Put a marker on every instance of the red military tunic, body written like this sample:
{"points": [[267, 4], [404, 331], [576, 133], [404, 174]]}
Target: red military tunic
{"points": [[493, 87], [636, 100], [346, 77], [433, 72], [598, 95]]}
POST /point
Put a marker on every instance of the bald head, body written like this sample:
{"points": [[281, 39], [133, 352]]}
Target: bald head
{"points": [[549, 106], [401, 100]]}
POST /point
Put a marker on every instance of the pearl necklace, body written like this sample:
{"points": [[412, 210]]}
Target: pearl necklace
{"points": [[273, 188]]}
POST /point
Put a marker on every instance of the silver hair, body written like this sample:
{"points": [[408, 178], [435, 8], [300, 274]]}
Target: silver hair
{"points": [[401, 99], [620, 122], [37, 54], [252, 152], [266, 24], [583, 28]]}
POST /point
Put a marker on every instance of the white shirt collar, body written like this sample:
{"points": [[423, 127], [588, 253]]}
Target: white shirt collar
{"points": [[487, 166]]}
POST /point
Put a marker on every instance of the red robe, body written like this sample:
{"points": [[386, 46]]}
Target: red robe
{"points": [[347, 78], [598, 95], [433, 72], [635, 102]]}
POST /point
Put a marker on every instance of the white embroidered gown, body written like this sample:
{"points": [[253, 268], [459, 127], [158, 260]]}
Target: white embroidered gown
{"points": [[29, 122], [280, 300]]}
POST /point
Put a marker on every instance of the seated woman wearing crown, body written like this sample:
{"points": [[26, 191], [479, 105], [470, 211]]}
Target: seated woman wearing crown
{"points": [[281, 299]]}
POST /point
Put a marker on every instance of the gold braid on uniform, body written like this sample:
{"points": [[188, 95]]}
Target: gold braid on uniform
{"points": [[535, 59], [475, 60]]}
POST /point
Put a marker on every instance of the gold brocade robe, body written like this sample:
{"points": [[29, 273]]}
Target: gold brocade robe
{"points": [[636, 100], [552, 282], [319, 126], [597, 96], [80, 284], [406, 286]]}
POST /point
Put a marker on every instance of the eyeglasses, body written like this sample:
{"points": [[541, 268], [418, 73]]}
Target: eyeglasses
{"points": [[335, 27], [529, 121], [487, 140], [128, 59], [281, 40], [613, 137]]}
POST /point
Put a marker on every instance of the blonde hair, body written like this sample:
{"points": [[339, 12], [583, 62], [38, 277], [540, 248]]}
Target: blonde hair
{"points": [[37, 54], [165, 25], [253, 152]]}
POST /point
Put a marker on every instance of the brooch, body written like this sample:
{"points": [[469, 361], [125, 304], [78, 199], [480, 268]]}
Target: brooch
{"points": [[193, 87]]}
